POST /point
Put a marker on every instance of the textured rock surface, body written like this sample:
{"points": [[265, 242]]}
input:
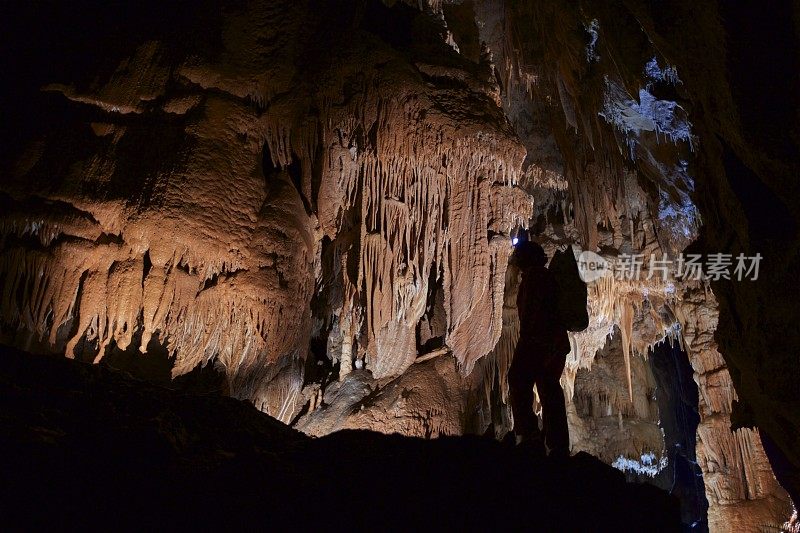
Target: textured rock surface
{"points": [[214, 194], [742, 492], [309, 199], [603, 421], [590, 58], [430, 399]]}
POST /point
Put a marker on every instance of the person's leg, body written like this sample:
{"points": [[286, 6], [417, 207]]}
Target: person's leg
{"points": [[554, 414], [520, 385], [554, 409]]}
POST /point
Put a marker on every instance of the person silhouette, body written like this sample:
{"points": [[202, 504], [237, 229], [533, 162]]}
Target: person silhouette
{"points": [[540, 356]]}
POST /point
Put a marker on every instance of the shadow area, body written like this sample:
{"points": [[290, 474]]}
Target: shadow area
{"points": [[87, 447]]}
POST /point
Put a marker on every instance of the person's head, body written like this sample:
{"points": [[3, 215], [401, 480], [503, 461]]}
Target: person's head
{"points": [[529, 254]]}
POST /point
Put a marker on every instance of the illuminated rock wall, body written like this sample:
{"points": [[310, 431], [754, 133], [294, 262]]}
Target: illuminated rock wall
{"points": [[196, 208]]}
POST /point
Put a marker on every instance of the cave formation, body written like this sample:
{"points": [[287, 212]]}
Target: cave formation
{"points": [[311, 207]]}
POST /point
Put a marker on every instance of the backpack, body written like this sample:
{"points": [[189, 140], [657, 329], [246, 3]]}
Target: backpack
{"points": [[572, 292]]}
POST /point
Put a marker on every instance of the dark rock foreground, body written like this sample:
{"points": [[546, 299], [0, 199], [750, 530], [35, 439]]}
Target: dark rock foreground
{"points": [[85, 447]]}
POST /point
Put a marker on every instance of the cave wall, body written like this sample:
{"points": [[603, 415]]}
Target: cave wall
{"points": [[742, 491], [747, 195], [731, 170], [603, 421], [237, 180], [204, 197]]}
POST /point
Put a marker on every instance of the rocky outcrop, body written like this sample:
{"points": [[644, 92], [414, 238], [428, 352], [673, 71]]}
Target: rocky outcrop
{"points": [[678, 92], [431, 399], [742, 492], [215, 193], [603, 421]]}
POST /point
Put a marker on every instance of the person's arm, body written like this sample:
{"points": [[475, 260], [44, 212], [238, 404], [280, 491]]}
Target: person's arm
{"points": [[522, 297]]}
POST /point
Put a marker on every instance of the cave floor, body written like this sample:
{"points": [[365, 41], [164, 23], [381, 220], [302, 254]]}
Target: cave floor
{"points": [[87, 447]]}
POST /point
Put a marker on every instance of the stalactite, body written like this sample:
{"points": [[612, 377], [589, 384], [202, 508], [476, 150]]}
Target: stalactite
{"points": [[736, 471], [40, 289], [217, 265], [424, 197], [626, 330], [620, 302], [498, 361]]}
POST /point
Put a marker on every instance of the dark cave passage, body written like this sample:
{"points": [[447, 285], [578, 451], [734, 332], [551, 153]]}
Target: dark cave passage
{"points": [[677, 396]]}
